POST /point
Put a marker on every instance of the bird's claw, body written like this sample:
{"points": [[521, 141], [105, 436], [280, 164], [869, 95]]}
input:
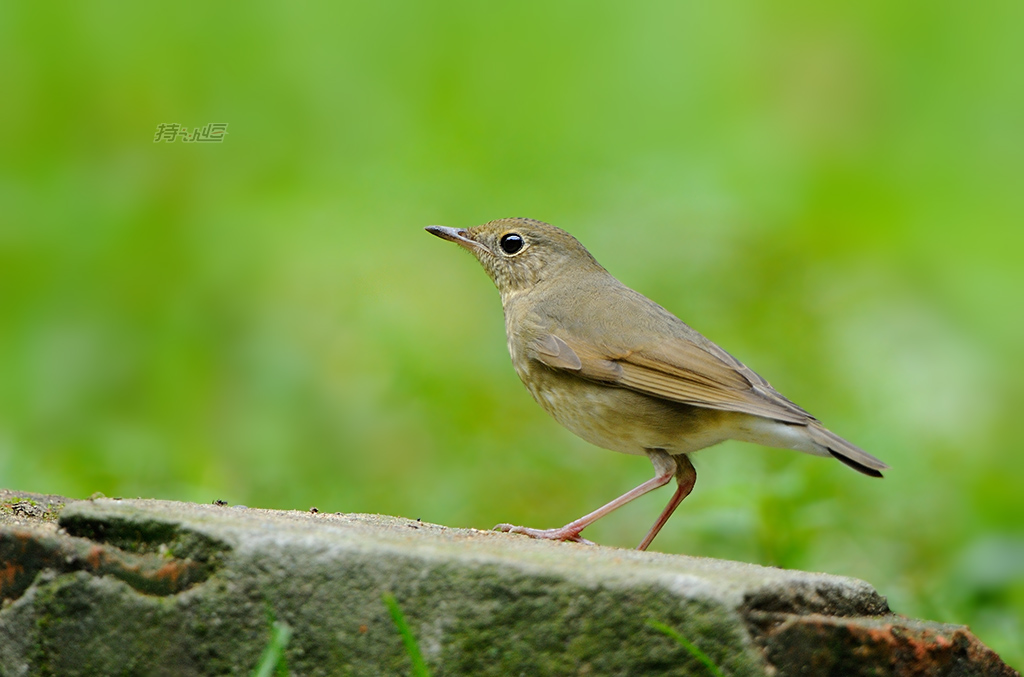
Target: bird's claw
{"points": [[562, 534]]}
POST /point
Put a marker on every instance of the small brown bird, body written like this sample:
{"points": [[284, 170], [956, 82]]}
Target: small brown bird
{"points": [[625, 374]]}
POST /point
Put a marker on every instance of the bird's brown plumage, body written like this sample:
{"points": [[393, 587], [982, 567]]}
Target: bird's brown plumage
{"points": [[620, 370]]}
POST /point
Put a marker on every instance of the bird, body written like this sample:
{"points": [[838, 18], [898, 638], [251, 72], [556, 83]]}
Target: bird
{"points": [[624, 373]]}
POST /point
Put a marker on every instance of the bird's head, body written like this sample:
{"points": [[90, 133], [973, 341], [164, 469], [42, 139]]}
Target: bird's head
{"points": [[518, 254]]}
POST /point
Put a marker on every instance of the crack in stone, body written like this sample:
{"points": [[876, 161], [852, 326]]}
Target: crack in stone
{"points": [[153, 557]]}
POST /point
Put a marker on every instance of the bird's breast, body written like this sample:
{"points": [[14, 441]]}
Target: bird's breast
{"points": [[619, 419], [605, 415]]}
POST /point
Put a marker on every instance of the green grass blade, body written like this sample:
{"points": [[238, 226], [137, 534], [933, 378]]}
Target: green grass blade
{"points": [[272, 661], [419, 667], [692, 648]]}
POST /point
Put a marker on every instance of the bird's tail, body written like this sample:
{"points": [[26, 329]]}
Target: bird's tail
{"points": [[848, 453]]}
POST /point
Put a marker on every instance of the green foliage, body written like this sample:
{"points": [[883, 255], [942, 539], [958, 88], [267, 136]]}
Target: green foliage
{"points": [[690, 647], [272, 662], [419, 666], [830, 192]]}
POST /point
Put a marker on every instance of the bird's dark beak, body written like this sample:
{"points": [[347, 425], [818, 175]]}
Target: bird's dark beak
{"points": [[459, 236]]}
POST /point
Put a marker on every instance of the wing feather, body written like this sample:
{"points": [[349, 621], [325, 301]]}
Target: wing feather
{"points": [[677, 369]]}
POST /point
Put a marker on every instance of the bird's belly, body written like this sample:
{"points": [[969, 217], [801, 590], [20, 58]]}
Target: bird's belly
{"points": [[623, 420]]}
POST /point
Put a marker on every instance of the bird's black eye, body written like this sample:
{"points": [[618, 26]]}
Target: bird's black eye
{"points": [[511, 243]]}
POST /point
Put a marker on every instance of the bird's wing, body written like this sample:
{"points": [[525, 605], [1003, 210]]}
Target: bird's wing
{"points": [[685, 369]]}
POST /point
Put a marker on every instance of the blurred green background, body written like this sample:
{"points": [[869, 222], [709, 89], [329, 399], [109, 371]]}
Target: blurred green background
{"points": [[834, 193]]}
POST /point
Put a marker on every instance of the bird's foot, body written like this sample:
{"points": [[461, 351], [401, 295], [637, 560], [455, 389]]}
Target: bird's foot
{"points": [[564, 534]]}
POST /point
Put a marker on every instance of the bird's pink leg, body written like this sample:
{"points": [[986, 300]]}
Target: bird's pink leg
{"points": [[665, 466], [686, 477]]}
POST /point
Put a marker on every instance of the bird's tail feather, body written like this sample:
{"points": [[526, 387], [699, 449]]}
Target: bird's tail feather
{"points": [[848, 453]]}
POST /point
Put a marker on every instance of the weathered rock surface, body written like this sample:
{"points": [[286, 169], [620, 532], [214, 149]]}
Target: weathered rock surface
{"points": [[157, 587]]}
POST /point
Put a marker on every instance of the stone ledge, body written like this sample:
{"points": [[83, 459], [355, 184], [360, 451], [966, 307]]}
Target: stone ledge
{"points": [[158, 587]]}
